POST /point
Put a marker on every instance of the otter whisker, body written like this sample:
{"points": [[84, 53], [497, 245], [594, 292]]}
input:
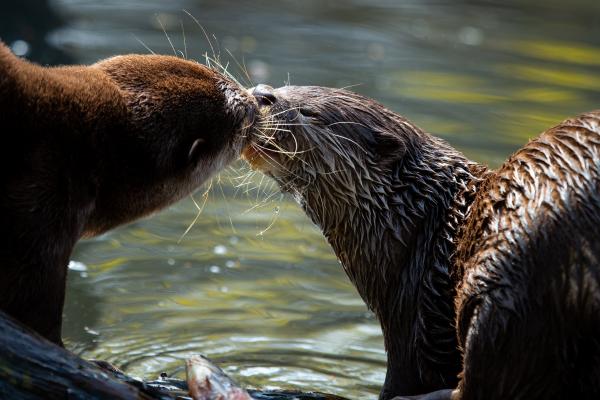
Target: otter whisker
{"points": [[275, 218], [270, 141], [346, 87], [289, 124], [226, 204], [247, 181], [333, 137], [337, 171], [203, 31], [243, 69], [246, 71], [247, 127], [200, 209], [270, 190], [347, 123], [275, 128], [289, 153], [184, 41], [350, 140], [218, 55], [283, 112], [225, 71], [215, 59], [167, 35], [233, 169], [276, 164], [143, 44], [295, 143], [241, 177], [262, 203], [249, 190], [262, 178], [267, 189], [211, 62]]}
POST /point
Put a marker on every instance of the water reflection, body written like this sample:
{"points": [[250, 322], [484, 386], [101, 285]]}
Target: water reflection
{"points": [[272, 305]]}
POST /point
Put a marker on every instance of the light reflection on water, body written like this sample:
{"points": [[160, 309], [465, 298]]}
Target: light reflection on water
{"points": [[275, 308]]}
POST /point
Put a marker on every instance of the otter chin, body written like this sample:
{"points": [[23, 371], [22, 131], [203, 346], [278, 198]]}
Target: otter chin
{"points": [[486, 283], [88, 148]]}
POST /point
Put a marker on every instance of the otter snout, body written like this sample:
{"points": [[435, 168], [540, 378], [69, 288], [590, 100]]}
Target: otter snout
{"points": [[264, 95]]}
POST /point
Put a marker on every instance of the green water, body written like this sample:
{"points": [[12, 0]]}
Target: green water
{"points": [[253, 284]]}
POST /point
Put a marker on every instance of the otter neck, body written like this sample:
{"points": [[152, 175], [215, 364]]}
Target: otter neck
{"points": [[395, 237]]}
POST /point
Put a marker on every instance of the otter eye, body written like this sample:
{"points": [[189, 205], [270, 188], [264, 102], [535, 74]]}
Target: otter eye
{"points": [[307, 112], [194, 149], [264, 95]]}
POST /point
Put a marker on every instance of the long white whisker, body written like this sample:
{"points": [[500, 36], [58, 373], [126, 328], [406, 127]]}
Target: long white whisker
{"points": [[240, 67], [184, 40], [165, 32], [200, 209], [143, 44], [203, 30]]}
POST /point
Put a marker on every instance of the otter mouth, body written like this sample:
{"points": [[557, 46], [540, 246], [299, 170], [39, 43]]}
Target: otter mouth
{"points": [[261, 154], [255, 157]]}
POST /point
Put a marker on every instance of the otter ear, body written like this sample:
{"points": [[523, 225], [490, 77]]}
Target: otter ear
{"points": [[195, 149], [389, 147]]}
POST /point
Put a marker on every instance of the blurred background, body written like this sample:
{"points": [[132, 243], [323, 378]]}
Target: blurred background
{"points": [[253, 284]]}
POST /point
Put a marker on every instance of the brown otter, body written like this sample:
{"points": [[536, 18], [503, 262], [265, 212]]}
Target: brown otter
{"points": [[483, 280], [87, 148]]}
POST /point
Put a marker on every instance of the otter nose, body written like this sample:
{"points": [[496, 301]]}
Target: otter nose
{"points": [[264, 95]]}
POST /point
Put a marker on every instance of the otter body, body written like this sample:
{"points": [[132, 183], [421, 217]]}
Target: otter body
{"points": [[528, 304], [87, 148], [483, 280]]}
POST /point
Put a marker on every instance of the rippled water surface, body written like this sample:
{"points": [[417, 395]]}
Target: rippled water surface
{"points": [[253, 284]]}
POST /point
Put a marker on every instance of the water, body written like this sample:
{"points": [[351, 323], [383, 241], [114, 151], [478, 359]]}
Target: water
{"points": [[253, 284]]}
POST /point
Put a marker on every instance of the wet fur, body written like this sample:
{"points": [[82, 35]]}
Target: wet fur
{"points": [[87, 148], [487, 276]]}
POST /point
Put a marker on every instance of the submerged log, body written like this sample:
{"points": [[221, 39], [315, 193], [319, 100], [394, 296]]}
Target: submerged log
{"points": [[33, 368]]}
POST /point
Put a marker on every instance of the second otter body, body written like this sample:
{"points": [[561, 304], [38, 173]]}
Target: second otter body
{"points": [[87, 148], [488, 280]]}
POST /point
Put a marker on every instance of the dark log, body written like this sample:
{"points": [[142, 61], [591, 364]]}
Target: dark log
{"points": [[33, 368]]}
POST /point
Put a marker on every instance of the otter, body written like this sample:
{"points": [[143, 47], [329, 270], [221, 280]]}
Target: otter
{"points": [[486, 283], [88, 148]]}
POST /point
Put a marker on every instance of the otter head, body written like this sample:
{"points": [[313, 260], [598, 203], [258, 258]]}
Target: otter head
{"points": [[182, 122], [331, 148]]}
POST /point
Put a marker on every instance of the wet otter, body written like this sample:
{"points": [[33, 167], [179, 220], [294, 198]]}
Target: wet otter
{"points": [[483, 280], [87, 148]]}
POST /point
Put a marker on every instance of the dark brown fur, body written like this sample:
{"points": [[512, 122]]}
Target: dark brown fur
{"points": [[492, 273], [87, 148]]}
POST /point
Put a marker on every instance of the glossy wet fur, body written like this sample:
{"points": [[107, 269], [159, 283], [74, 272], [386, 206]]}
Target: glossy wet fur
{"points": [[93, 147], [417, 228], [529, 302]]}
